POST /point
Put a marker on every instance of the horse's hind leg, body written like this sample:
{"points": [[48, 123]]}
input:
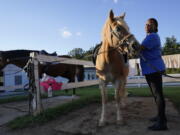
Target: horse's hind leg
{"points": [[102, 86], [119, 85]]}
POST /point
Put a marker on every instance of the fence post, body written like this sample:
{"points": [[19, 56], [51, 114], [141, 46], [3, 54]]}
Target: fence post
{"points": [[75, 81], [37, 103]]}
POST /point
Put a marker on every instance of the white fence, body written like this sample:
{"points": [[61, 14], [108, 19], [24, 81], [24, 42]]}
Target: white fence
{"points": [[141, 79]]}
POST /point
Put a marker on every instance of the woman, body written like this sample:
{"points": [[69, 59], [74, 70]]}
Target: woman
{"points": [[152, 66]]}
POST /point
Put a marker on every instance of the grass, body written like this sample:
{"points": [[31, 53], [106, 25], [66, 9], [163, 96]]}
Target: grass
{"points": [[172, 93], [88, 96], [13, 99], [19, 98]]}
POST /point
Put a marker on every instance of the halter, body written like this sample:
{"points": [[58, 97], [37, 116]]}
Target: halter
{"points": [[123, 40]]}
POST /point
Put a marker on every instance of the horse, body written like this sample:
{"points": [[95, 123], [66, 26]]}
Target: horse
{"points": [[118, 44], [21, 57]]}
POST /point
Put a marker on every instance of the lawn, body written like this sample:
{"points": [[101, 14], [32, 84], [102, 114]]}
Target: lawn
{"points": [[173, 93], [88, 95], [13, 99]]}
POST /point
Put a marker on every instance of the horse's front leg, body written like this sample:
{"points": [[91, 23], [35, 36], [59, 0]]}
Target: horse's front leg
{"points": [[102, 86], [118, 87], [123, 95]]}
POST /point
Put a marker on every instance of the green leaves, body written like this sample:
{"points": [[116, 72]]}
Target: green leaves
{"points": [[79, 53], [171, 46]]}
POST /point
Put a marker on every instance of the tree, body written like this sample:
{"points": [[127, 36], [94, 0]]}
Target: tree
{"points": [[171, 46], [88, 54], [77, 53]]}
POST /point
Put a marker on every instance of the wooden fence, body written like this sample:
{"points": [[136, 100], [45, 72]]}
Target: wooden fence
{"points": [[36, 103]]}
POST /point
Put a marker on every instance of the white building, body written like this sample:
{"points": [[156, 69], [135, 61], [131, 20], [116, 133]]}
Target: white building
{"points": [[90, 73], [13, 78]]}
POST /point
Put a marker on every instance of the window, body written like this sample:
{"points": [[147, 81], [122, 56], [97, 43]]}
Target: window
{"points": [[1, 79], [92, 76], [18, 80], [89, 77]]}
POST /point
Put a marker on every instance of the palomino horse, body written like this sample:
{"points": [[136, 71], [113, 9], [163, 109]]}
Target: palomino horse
{"points": [[110, 63]]}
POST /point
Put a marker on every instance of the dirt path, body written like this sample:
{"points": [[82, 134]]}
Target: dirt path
{"points": [[84, 121], [10, 111]]}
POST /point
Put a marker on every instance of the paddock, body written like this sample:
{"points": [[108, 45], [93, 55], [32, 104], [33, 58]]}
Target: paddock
{"points": [[84, 120]]}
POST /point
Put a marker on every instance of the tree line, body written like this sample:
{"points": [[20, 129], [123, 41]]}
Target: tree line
{"points": [[171, 46]]}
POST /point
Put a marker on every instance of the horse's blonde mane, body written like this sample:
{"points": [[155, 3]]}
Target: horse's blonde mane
{"points": [[106, 33], [106, 40]]}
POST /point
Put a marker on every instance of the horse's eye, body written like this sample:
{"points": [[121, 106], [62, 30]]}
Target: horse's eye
{"points": [[118, 29]]}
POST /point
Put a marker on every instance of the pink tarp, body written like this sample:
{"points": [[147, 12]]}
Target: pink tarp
{"points": [[51, 82]]}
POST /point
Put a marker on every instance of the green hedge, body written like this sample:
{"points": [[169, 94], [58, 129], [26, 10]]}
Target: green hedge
{"points": [[173, 70]]}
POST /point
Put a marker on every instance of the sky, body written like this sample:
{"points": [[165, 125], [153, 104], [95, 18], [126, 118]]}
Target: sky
{"points": [[62, 25]]}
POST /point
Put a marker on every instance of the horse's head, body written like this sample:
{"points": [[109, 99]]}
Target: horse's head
{"points": [[116, 32]]}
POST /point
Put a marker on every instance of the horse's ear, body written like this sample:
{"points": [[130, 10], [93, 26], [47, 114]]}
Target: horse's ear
{"points": [[111, 15], [123, 15]]}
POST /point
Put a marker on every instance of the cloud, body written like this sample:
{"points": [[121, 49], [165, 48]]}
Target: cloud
{"points": [[78, 33], [66, 34], [115, 1]]}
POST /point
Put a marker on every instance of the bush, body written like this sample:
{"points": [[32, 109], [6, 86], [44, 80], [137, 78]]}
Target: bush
{"points": [[173, 70]]}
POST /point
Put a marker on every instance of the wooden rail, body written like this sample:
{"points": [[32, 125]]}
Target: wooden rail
{"points": [[80, 84], [45, 58]]}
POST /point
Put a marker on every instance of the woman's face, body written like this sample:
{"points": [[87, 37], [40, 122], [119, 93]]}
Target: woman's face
{"points": [[149, 27]]}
